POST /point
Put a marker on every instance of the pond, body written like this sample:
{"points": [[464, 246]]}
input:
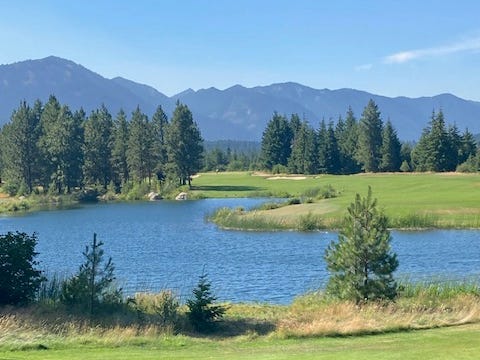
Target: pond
{"points": [[167, 245]]}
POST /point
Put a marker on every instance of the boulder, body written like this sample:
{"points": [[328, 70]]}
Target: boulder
{"points": [[153, 196], [182, 196]]}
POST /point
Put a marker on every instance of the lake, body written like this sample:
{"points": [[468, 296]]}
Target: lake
{"points": [[167, 245]]}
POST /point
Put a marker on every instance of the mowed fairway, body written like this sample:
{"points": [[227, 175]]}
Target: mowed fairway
{"points": [[460, 342], [451, 200]]}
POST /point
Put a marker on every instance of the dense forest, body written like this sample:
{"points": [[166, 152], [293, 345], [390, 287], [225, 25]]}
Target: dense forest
{"points": [[367, 145], [49, 148]]}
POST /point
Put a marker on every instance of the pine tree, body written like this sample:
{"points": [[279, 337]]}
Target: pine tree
{"points": [[119, 150], [370, 138], [361, 262], [140, 139], [276, 142], [202, 310], [94, 282], [159, 147], [303, 154], [19, 147], [347, 139], [322, 136], [332, 152], [390, 150], [431, 151], [97, 148], [184, 145], [60, 145], [468, 147]]}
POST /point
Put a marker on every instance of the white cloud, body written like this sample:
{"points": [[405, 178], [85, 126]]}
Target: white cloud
{"points": [[472, 44], [364, 67]]}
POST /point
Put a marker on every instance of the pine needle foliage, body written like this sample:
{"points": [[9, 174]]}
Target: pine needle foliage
{"points": [[202, 312], [361, 262]]}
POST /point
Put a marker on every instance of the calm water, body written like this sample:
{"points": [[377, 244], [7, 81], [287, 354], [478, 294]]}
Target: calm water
{"points": [[159, 245]]}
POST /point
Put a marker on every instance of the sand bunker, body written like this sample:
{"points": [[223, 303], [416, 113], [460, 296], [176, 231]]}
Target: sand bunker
{"points": [[287, 178]]}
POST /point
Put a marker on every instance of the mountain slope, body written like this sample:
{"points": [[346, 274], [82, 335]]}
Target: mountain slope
{"points": [[238, 112], [71, 83]]}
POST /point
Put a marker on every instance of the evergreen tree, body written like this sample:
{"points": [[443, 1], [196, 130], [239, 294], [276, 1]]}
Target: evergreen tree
{"points": [[361, 262], [20, 279], [370, 138], [431, 152], [454, 143], [97, 148], [93, 284], [322, 147], [159, 147], [19, 147], [276, 142], [468, 147], [202, 310], [304, 148], [60, 145], [391, 149], [184, 145], [119, 150], [347, 139], [140, 139], [332, 152]]}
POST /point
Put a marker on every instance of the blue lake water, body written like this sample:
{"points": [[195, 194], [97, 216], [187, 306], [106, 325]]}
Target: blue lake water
{"points": [[158, 245]]}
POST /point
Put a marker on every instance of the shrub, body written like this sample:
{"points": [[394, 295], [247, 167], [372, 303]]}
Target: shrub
{"points": [[279, 169], [294, 201], [19, 280], [164, 305], [309, 222], [202, 312]]}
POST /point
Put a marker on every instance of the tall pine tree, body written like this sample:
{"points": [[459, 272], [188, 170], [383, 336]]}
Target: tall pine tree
{"points": [[276, 142], [184, 145], [370, 138]]}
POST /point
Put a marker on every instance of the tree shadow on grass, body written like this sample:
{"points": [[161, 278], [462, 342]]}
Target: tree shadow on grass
{"points": [[226, 188], [227, 328]]}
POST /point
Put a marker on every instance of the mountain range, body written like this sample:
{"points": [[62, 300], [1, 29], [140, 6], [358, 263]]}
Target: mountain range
{"points": [[236, 113]]}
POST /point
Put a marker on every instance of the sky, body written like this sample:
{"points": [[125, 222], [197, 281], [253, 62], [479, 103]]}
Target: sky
{"points": [[386, 47]]}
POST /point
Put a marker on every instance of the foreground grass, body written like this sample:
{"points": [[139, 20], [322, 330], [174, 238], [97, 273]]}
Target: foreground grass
{"points": [[428, 321], [446, 343], [413, 200]]}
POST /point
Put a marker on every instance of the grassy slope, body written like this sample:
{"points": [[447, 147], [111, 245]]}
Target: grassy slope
{"points": [[445, 343], [453, 200]]}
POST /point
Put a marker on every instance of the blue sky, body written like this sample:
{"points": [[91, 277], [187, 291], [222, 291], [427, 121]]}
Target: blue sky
{"points": [[392, 48]]}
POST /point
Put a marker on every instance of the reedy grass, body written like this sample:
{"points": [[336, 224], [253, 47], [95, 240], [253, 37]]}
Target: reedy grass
{"points": [[418, 306]]}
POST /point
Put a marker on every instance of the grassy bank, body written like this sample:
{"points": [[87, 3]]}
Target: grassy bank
{"points": [[413, 200], [428, 321]]}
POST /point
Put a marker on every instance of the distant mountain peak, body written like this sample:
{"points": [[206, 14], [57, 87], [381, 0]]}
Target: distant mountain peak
{"points": [[237, 112]]}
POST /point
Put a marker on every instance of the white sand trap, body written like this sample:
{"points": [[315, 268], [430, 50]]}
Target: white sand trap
{"points": [[287, 178]]}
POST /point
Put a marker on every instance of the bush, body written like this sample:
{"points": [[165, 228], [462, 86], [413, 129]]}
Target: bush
{"points": [[19, 280], [202, 312], [163, 305], [279, 169], [309, 222], [294, 201]]}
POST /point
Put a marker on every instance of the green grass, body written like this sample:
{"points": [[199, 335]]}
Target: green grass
{"points": [[413, 200], [446, 343]]}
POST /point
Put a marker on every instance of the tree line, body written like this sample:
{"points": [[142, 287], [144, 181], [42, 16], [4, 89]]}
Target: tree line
{"points": [[50, 146], [368, 144]]}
